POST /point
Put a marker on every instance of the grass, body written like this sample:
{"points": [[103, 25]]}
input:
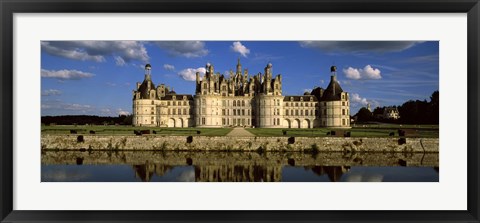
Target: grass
{"points": [[375, 130], [128, 130], [424, 131]]}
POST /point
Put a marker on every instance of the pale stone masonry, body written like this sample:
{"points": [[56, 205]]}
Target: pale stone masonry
{"points": [[240, 100]]}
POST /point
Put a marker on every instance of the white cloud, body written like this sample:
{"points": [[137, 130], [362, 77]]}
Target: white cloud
{"points": [[119, 61], [169, 67], [368, 72], [65, 74], [356, 99], [122, 112], [77, 107], [97, 50], [105, 111], [51, 92], [239, 48], [187, 49], [189, 74], [352, 73]]}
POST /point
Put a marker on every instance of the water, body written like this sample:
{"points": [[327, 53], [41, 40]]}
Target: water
{"points": [[136, 166]]}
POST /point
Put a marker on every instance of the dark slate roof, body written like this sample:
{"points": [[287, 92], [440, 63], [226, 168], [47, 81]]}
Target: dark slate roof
{"points": [[329, 95], [297, 98], [179, 97], [144, 94]]}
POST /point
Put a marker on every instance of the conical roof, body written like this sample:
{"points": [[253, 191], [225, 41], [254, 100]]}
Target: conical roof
{"points": [[333, 91], [144, 87]]}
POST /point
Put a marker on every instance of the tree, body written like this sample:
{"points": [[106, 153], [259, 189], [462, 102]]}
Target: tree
{"points": [[364, 115]]}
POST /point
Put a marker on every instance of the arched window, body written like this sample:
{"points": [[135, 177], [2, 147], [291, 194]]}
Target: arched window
{"points": [[243, 103], [234, 103]]}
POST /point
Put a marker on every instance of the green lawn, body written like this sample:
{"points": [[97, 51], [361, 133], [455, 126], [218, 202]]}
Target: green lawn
{"points": [[382, 130], [367, 131], [128, 130]]}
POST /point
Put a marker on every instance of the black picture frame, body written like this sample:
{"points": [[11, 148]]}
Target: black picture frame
{"points": [[9, 7]]}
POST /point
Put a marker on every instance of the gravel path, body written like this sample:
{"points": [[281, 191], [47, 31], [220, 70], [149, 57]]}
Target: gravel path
{"points": [[239, 132]]}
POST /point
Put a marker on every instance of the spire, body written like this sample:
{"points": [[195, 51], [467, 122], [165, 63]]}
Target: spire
{"points": [[239, 67]]}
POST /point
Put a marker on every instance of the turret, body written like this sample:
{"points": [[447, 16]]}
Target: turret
{"points": [[148, 69]]}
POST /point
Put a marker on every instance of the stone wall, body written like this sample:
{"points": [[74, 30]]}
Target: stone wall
{"points": [[216, 143]]}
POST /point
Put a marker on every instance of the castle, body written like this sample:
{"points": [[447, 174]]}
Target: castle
{"points": [[240, 100]]}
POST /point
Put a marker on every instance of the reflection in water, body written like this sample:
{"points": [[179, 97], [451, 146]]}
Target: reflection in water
{"points": [[237, 167], [334, 173]]}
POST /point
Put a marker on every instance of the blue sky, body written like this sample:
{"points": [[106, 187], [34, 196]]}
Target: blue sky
{"points": [[98, 77]]}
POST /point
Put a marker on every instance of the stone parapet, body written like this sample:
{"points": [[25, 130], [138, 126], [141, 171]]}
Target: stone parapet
{"points": [[225, 143]]}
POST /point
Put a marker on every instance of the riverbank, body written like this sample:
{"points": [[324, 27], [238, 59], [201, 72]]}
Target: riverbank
{"points": [[222, 143]]}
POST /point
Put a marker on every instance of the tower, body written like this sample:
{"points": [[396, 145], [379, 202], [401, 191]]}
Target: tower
{"points": [[333, 76], [239, 67]]}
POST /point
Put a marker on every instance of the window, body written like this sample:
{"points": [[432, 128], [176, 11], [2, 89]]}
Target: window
{"points": [[278, 121], [278, 111], [234, 112], [168, 103], [223, 111], [203, 102], [296, 112], [223, 121], [238, 103], [174, 111], [243, 111], [184, 111], [184, 103], [296, 104], [301, 112], [243, 103], [343, 111], [286, 112], [203, 121], [343, 122], [234, 103], [306, 112]]}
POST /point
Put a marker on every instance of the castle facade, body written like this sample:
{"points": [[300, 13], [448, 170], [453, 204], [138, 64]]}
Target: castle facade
{"points": [[240, 100]]}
